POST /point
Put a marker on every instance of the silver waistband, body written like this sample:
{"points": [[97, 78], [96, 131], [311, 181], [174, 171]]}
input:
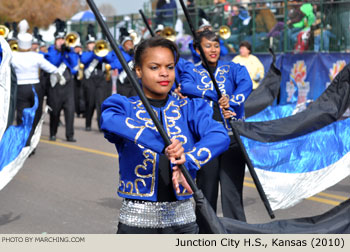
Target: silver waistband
{"points": [[146, 214]]}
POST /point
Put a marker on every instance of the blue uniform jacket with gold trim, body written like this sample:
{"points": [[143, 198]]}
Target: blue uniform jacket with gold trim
{"points": [[55, 57], [127, 124], [233, 80]]}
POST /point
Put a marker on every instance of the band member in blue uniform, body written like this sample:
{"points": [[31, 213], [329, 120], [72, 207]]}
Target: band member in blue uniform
{"points": [[79, 98], [96, 82], [124, 86], [235, 86], [61, 90], [156, 195]]}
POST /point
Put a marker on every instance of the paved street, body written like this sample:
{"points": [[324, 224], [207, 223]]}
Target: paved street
{"points": [[71, 188]]}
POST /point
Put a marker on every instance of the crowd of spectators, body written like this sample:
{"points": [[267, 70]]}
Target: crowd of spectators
{"points": [[312, 25]]}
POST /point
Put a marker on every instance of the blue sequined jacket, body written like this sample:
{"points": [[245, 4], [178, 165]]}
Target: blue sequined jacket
{"points": [[127, 124], [233, 80]]}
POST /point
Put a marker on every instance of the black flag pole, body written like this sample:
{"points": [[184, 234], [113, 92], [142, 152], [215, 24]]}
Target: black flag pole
{"points": [[246, 157], [196, 42], [209, 219], [146, 23]]}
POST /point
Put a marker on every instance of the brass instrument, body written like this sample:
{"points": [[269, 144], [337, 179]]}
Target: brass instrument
{"points": [[101, 48], [168, 33], [72, 39], [4, 31], [108, 72], [13, 45], [224, 32], [135, 37], [80, 75]]}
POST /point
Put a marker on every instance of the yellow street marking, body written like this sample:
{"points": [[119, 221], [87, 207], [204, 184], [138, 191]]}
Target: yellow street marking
{"points": [[80, 148], [326, 201], [333, 196]]}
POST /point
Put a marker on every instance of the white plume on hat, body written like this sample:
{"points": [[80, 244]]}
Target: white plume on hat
{"points": [[23, 26], [160, 27], [24, 38]]}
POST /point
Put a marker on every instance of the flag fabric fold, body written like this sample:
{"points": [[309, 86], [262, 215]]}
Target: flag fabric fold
{"points": [[265, 94], [13, 152], [5, 84], [303, 154], [298, 168], [328, 108]]}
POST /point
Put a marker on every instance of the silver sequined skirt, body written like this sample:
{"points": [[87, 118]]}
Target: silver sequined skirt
{"points": [[147, 214]]}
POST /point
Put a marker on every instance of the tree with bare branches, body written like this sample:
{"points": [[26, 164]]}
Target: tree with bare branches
{"points": [[40, 13], [107, 10]]}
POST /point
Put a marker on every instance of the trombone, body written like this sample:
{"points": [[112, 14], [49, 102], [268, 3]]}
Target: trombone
{"points": [[135, 37], [72, 39], [101, 48], [13, 45], [168, 33], [224, 32]]}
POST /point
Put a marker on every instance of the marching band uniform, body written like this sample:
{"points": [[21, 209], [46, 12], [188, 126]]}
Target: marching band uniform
{"points": [[79, 98], [145, 174], [124, 87], [97, 88], [26, 65], [234, 81], [61, 90]]}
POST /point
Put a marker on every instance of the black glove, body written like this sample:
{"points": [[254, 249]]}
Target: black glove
{"points": [[65, 48]]}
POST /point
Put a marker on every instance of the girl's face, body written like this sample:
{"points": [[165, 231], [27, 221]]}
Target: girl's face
{"points": [[157, 72], [244, 51], [211, 51]]}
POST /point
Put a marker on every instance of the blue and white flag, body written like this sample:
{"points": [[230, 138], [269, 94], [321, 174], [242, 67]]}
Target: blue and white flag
{"points": [[5, 84], [300, 155], [13, 151], [301, 167]]}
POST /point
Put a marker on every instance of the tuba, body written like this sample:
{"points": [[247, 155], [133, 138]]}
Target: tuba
{"points": [[224, 32], [168, 33], [13, 45], [4, 31], [101, 48], [72, 39]]}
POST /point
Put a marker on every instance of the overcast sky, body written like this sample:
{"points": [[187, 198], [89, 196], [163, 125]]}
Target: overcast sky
{"points": [[124, 6]]}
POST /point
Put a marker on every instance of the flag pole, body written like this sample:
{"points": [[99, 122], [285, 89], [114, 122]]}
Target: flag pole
{"points": [[246, 157], [146, 22], [196, 42]]}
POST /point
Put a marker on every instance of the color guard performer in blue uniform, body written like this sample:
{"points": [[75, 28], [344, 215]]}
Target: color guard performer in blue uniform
{"points": [[97, 62], [61, 90], [156, 195], [235, 86], [195, 55]]}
